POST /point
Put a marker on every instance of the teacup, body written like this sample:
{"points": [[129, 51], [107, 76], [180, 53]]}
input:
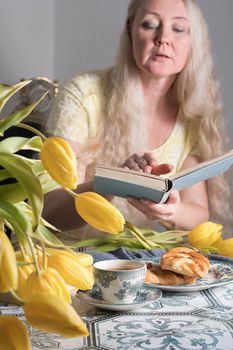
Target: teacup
{"points": [[119, 280]]}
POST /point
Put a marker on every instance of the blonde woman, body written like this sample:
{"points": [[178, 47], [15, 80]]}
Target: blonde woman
{"points": [[159, 104]]}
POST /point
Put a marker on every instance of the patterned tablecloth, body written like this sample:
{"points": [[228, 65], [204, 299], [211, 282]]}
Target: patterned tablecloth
{"points": [[201, 320]]}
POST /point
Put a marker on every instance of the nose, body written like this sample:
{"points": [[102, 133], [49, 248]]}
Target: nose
{"points": [[162, 37]]}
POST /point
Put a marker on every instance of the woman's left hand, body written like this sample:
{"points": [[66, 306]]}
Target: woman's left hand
{"points": [[158, 212]]}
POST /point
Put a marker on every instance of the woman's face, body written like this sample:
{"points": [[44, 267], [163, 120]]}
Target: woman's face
{"points": [[160, 37]]}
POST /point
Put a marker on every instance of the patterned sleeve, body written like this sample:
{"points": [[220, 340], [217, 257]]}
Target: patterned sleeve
{"points": [[68, 117]]}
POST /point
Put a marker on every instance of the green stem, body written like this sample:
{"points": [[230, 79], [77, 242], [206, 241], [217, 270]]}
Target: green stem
{"points": [[33, 254], [44, 255], [22, 251], [143, 243], [138, 234], [72, 193], [1, 225], [32, 129]]}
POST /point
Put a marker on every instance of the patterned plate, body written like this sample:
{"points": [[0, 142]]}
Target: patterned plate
{"points": [[144, 296], [221, 273]]}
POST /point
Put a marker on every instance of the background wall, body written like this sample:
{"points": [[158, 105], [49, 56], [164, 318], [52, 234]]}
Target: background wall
{"points": [[26, 39], [59, 38], [86, 34]]}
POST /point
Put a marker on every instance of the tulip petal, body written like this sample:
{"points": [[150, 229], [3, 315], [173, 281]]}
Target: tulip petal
{"points": [[99, 213], [8, 270], [51, 314], [13, 334]]}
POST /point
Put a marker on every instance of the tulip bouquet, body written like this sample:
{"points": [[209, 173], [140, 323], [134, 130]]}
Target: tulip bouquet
{"points": [[39, 272]]}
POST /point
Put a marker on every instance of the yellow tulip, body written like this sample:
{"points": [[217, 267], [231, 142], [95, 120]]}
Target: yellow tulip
{"points": [[23, 272], [13, 334], [225, 248], [51, 314], [48, 280], [72, 272], [99, 213], [59, 160], [205, 235], [83, 259], [1, 250], [8, 270]]}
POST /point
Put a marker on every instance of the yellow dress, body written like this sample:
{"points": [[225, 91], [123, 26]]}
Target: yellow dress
{"points": [[77, 112]]}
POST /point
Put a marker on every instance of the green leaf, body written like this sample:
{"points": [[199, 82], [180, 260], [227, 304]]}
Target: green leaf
{"points": [[4, 174], [19, 223], [29, 182], [6, 91], [16, 117], [12, 193], [16, 143], [47, 183], [45, 235], [42, 233]]}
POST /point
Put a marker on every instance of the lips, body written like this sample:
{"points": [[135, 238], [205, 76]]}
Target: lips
{"points": [[157, 55]]}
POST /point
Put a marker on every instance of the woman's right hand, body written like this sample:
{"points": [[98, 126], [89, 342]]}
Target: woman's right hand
{"points": [[147, 163]]}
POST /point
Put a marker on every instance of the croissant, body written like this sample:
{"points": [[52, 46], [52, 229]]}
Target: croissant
{"points": [[185, 261], [155, 274]]}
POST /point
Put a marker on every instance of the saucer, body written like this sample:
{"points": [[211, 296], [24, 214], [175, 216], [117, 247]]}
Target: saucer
{"points": [[144, 296]]}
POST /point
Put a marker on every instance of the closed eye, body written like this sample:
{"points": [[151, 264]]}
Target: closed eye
{"points": [[150, 25], [179, 30]]}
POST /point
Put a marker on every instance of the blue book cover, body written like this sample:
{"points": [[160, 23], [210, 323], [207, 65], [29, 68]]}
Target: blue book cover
{"points": [[109, 180]]}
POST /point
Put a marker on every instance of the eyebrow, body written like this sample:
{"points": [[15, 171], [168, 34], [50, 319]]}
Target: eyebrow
{"points": [[176, 17]]}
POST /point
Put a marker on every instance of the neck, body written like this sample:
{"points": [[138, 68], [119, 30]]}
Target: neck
{"points": [[158, 93]]}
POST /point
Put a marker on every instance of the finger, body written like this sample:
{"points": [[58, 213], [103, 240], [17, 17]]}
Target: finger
{"points": [[174, 197], [130, 163], [151, 158], [141, 161], [162, 169]]}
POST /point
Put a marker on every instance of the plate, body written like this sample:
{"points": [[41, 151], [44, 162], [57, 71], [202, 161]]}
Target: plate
{"points": [[144, 296], [221, 273]]}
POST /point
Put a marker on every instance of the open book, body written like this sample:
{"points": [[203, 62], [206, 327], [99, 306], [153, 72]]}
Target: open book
{"points": [[130, 183]]}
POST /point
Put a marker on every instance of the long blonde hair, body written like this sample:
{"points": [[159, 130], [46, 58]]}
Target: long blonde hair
{"points": [[123, 131]]}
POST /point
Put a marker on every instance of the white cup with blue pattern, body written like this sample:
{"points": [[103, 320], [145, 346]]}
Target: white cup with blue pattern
{"points": [[119, 281]]}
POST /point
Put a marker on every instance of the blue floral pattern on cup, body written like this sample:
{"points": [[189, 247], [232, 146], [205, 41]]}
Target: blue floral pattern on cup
{"points": [[120, 286]]}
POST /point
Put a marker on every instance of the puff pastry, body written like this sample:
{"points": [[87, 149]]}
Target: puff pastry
{"points": [[155, 274], [185, 261]]}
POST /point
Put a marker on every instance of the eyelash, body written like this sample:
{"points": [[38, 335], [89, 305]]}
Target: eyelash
{"points": [[150, 26]]}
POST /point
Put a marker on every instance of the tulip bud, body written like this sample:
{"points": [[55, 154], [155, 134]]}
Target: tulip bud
{"points": [[51, 314], [72, 272], [205, 235], [8, 270], [59, 160], [13, 334], [48, 280], [225, 248], [99, 213], [83, 259], [23, 272]]}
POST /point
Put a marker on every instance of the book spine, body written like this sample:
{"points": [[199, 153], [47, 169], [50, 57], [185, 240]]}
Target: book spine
{"points": [[124, 189]]}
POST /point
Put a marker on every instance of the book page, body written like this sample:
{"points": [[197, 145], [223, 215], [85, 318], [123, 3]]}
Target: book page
{"points": [[132, 176]]}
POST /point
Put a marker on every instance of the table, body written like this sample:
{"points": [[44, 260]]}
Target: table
{"points": [[201, 320]]}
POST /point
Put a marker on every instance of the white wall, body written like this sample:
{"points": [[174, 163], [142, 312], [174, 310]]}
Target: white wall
{"points": [[26, 39], [219, 18], [59, 38], [87, 33]]}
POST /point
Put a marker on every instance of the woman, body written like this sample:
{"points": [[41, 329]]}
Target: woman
{"points": [[161, 99]]}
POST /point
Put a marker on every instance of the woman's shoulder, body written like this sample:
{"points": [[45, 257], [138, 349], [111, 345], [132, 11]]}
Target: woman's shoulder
{"points": [[88, 82]]}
